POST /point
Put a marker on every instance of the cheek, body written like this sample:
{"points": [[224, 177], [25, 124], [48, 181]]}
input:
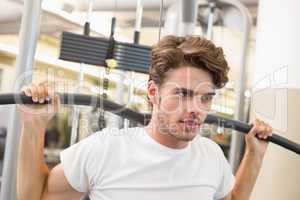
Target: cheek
{"points": [[170, 106], [204, 108]]}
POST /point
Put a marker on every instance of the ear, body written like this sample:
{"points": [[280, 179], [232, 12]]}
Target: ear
{"points": [[152, 92]]}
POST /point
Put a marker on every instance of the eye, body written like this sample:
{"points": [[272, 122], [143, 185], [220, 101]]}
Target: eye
{"points": [[182, 93], [206, 98]]}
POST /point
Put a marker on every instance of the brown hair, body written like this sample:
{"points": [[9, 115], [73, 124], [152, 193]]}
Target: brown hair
{"points": [[172, 52]]}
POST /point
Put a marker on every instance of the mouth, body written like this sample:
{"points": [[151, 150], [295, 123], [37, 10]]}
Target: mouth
{"points": [[192, 124]]}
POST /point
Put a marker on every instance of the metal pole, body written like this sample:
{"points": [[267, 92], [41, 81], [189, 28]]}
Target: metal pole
{"points": [[189, 10], [161, 9], [28, 40], [210, 23], [136, 39], [181, 18], [90, 10], [237, 139], [116, 120], [138, 21], [130, 95], [76, 109]]}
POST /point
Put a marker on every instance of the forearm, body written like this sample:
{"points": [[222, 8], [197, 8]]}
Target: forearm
{"points": [[32, 172], [246, 176]]}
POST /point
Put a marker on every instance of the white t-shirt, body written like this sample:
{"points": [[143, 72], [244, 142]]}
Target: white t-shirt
{"points": [[128, 164]]}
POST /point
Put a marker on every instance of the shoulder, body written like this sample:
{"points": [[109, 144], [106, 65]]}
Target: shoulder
{"points": [[207, 145], [120, 134], [107, 136], [115, 137]]}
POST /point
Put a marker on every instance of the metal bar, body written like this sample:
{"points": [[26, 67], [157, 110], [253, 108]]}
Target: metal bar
{"points": [[187, 24], [210, 23], [138, 21], [84, 38], [130, 57], [92, 42], [130, 95], [119, 97], [78, 56], [133, 47], [76, 109], [90, 10], [161, 9], [122, 111], [81, 60], [84, 46], [28, 40], [134, 55], [237, 140], [122, 55], [138, 46], [93, 50], [188, 14], [129, 60]]}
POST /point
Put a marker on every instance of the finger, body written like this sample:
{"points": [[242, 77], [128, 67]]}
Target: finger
{"points": [[252, 133], [258, 121], [254, 129], [56, 103], [50, 92], [47, 91], [26, 91], [261, 127], [259, 131], [262, 136], [269, 128], [265, 130], [269, 131], [41, 93], [265, 135], [34, 92]]}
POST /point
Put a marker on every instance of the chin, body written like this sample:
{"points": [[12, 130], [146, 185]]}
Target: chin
{"points": [[187, 139], [186, 136]]}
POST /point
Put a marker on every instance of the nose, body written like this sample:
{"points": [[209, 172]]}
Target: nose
{"points": [[195, 110], [191, 109], [194, 107]]}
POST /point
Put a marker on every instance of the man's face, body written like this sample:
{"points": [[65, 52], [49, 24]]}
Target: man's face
{"points": [[182, 102]]}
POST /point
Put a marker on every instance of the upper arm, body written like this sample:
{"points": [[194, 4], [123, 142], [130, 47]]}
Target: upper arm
{"points": [[227, 197], [226, 179], [58, 188]]}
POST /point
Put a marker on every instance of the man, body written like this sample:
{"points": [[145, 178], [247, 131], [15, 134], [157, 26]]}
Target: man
{"points": [[167, 159]]}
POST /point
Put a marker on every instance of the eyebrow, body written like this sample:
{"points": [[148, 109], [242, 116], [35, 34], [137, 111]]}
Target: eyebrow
{"points": [[191, 92]]}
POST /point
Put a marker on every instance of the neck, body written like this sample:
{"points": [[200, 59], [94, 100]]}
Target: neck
{"points": [[163, 138]]}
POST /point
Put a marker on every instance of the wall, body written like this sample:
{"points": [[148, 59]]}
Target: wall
{"points": [[276, 95]]}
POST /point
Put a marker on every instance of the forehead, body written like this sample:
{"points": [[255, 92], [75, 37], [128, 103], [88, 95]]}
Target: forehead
{"points": [[190, 78]]}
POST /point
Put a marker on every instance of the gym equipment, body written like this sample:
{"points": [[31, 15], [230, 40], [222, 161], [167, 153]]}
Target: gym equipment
{"points": [[138, 21], [88, 100], [76, 109], [93, 50]]}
